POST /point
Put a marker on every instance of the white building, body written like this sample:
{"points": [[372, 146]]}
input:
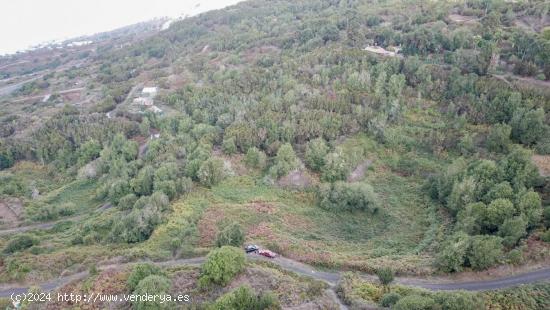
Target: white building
{"points": [[381, 51], [150, 92], [145, 101]]}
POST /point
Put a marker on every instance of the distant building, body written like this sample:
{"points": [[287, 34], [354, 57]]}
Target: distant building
{"points": [[150, 92], [145, 101], [382, 51]]}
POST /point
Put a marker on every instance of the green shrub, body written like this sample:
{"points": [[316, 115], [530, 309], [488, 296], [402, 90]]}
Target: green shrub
{"points": [[458, 301], [518, 169], [385, 275], [512, 230], [452, 256], [92, 270], [316, 152], [137, 226], [168, 187], [546, 216], [530, 206], [336, 167], [142, 184], [497, 212], [528, 125], [545, 236], [11, 185], [485, 251], [127, 202], [462, 194], [228, 146], [232, 235], [153, 285], [53, 211], [341, 196], [501, 190], [19, 242], [140, 272], [117, 190], [498, 140], [389, 299], [221, 266], [243, 298], [415, 302], [255, 158], [285, 161], [160, 201], [515, 256], [211, 172]]}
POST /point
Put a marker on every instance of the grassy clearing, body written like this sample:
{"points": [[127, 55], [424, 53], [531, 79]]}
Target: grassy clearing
{"points": [[292, 224], [77, 197], [36, 175]]}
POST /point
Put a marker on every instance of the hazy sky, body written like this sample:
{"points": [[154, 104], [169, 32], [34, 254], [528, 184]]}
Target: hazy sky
{"points": [[29, 22]]}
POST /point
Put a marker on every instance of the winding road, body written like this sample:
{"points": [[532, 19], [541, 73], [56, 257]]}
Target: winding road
{"points": [[331, 278]]}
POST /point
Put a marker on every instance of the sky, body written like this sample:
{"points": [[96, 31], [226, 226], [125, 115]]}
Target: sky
{"points": [[24, 23]]}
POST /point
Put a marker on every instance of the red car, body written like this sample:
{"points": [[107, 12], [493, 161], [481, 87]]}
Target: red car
{"points": [[267, 253]]}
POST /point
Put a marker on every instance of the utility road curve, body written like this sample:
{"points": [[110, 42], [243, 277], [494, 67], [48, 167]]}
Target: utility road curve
{"points": [[331, 278]]}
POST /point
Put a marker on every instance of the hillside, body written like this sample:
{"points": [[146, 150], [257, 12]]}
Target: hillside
{"points": [[410, 137]]}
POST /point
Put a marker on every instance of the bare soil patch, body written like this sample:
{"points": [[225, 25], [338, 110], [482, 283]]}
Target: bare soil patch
{"points": [[10, 211], [297, 222], [233, 164], [457, 18], [185, 281], [543, 164], [262, 207], [291, 293], [297, 179], [262, 230], [359, 172], [208, 225]]}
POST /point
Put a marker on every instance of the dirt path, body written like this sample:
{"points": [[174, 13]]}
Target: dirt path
{"points": [[534, 276], [61, 92], [51, 224], [332, 294], [7, 290], [45, 225], [131, 93], [359, 172], [330, 278], [8, 89], [528, 80]]}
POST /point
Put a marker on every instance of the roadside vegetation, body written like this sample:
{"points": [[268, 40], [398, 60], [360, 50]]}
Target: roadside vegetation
{"points": [[359, 294]]}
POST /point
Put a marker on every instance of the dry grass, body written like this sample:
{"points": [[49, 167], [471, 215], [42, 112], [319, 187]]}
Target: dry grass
{"points": [[543, 164]]}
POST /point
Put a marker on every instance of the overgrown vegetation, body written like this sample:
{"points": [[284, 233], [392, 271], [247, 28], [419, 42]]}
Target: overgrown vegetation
{"points": [[276, 119], [221, 266]]}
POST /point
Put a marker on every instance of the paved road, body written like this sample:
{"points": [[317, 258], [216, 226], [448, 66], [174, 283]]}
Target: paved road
{"points": [[539, 275], [303, 269]]}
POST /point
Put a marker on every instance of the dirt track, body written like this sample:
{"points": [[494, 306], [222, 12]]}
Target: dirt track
{"points": [[44, 225], [331, 278]]}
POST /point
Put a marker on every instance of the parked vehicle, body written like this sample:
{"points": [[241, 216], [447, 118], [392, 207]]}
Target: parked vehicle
{"points": [[267, 253], [251, 248]]}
